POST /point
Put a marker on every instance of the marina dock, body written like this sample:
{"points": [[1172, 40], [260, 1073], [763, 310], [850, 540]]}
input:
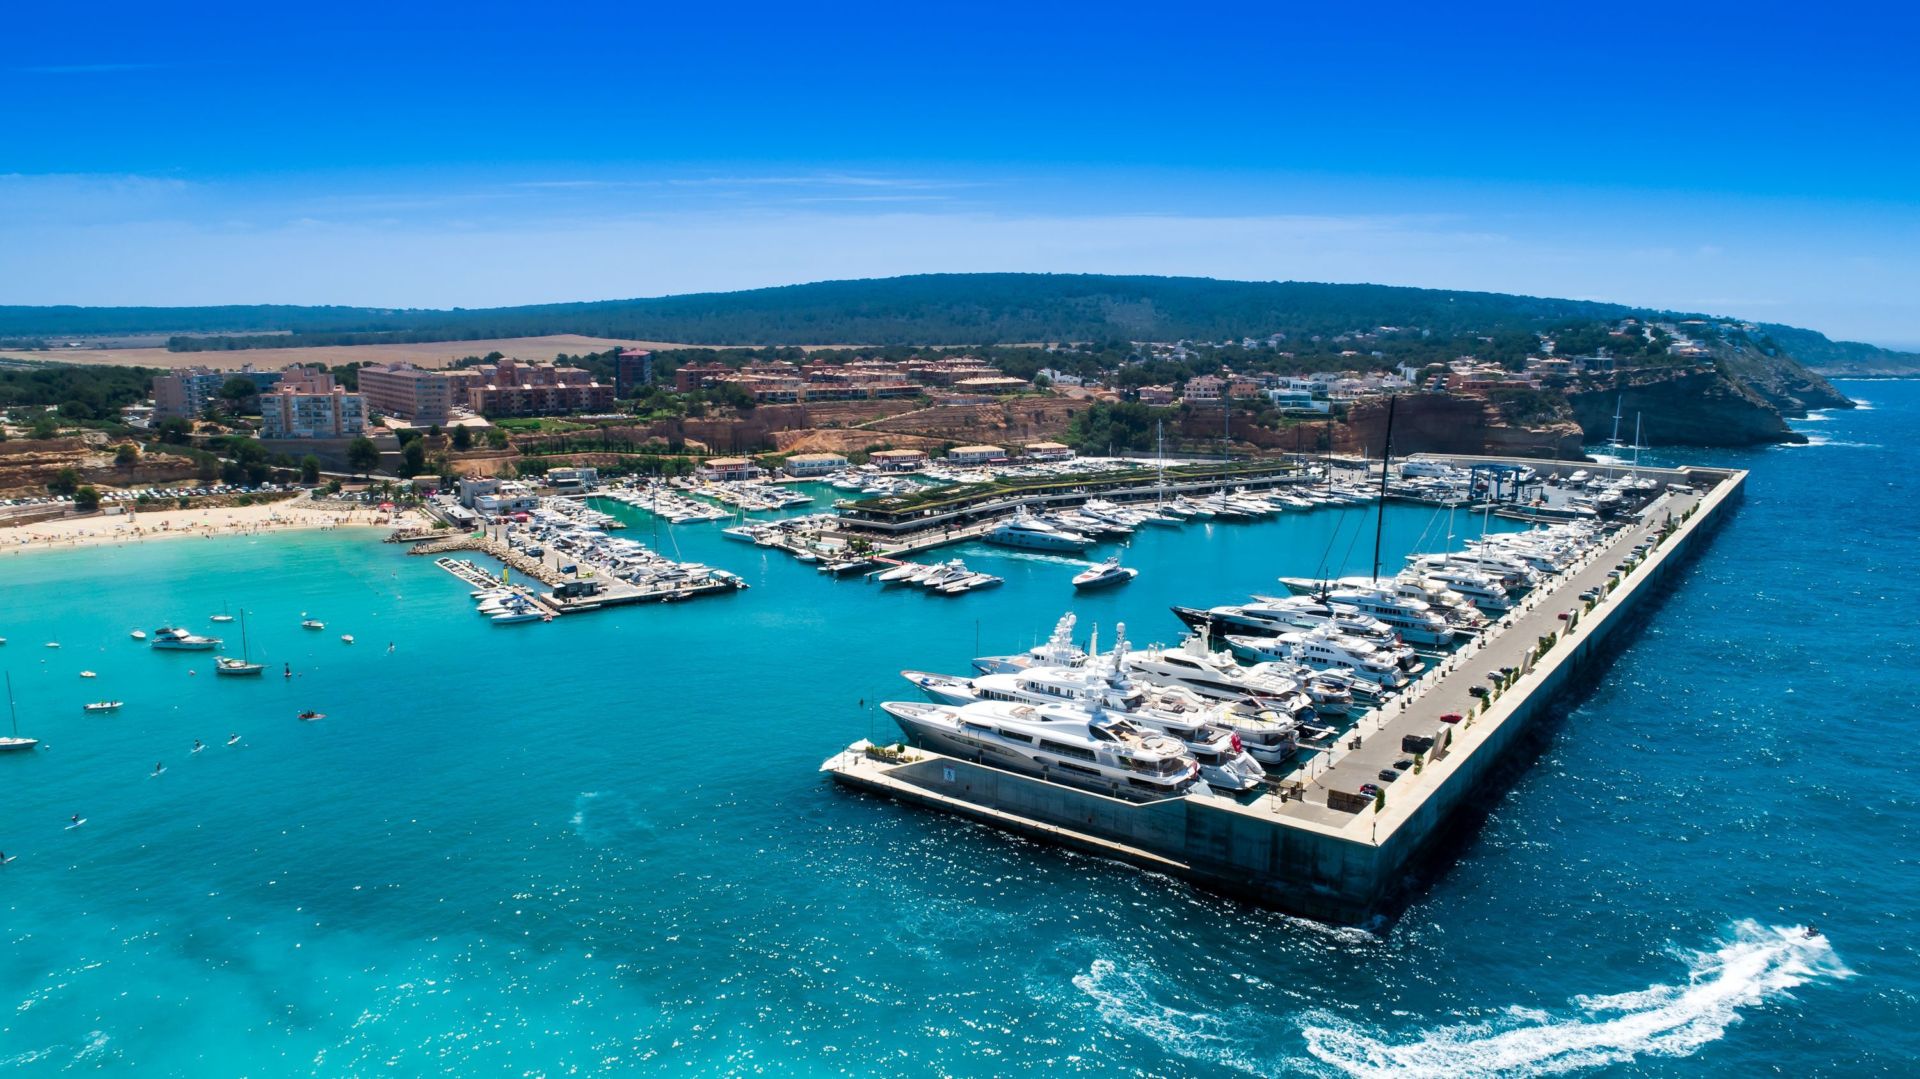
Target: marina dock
{"points": [[1315, 844], [567, 595]]}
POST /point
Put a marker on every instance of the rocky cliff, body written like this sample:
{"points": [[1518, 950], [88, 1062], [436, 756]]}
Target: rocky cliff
{"points": [[1422, 423], [1694, 407], [1781, 380]]}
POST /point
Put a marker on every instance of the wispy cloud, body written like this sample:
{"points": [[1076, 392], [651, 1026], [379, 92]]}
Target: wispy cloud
{"points": [[872, 198], [818, 180]]}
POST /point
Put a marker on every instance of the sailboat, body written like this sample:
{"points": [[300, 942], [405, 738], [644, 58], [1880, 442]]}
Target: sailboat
{"points": [[244, 665], [1164, 512], [223, 616], [8, 745]]}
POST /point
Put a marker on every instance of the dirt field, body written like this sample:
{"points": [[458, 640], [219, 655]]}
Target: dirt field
{"points": [[427, 354]]}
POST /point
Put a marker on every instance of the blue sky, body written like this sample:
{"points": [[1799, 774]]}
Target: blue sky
{"points": [[1754, 160]]}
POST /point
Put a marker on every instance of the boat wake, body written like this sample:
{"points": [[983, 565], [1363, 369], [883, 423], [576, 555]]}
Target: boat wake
{"points": [[1029, 556], [1754, 965], [1151, 1006]]}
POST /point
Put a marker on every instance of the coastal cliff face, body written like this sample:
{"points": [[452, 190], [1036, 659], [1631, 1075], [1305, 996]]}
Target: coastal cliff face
{"points": [[1701, 407], [1780, 380], [1442, 423], [1422, 423]]}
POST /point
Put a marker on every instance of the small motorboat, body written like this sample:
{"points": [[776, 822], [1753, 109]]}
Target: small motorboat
{"points": [[101, 706], [346, 638], [312, 623], [1105, 575], [138, 634], [53, 644], [88, 674], [310, 716]]}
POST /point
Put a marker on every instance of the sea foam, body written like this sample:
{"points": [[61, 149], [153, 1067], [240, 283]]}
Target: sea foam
{"points": [[1752, 965]]}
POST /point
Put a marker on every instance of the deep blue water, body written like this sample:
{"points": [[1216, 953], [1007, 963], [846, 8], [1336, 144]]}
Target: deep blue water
{"points": [[602, 846]]}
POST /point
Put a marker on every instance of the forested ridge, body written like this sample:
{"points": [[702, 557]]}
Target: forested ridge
{"points": [[959, 309]]}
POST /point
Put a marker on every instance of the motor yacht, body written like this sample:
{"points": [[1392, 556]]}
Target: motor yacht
{"points": [[1322, 649], [1224, 762], [1100, 752], [1271, 616], [1196, 666], [1030, 532], [1057, 651], [1105, 575], [1412, 620], [170, 639]]}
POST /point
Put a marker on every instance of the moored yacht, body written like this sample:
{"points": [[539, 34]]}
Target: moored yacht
{"points": [[1104, 752], [1196, 666], [170, 639], [1476, 587], [1219, 748], [1415, 622], [1324, 650], [1058, 651], [1270, 616]]}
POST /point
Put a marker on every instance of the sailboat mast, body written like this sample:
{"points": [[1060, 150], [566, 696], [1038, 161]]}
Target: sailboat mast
{"points": [[1160, 450], [11, 712], [1386, 466]]}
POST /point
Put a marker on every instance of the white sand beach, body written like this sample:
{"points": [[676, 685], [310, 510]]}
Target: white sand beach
{"points": [[168, 524]]}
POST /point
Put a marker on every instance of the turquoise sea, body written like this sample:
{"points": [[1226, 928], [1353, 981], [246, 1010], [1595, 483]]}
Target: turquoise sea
{"points": [[601, 845]]}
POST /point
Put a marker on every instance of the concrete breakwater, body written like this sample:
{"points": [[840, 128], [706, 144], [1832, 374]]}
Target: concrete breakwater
{"points": [[1315, 845]]}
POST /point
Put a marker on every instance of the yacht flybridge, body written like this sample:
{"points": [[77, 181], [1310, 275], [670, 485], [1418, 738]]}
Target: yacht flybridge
{"points": [[1104, 752], [1058, 651]]}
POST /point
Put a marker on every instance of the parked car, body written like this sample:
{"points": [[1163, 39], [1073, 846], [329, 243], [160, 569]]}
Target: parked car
{"points": [[1389, 774]]}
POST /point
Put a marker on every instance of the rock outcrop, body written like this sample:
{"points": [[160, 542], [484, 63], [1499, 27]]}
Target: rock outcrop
{"points": [[1422, 423], [1698, 407]]}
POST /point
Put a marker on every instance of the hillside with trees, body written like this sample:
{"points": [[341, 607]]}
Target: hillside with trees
{"points": [[959, 309]]}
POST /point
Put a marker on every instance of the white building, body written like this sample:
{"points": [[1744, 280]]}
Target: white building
{"points": [[815, 464], [510, 496], [729, 468], [1298, 400], [306, 404], [975, 455]]}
